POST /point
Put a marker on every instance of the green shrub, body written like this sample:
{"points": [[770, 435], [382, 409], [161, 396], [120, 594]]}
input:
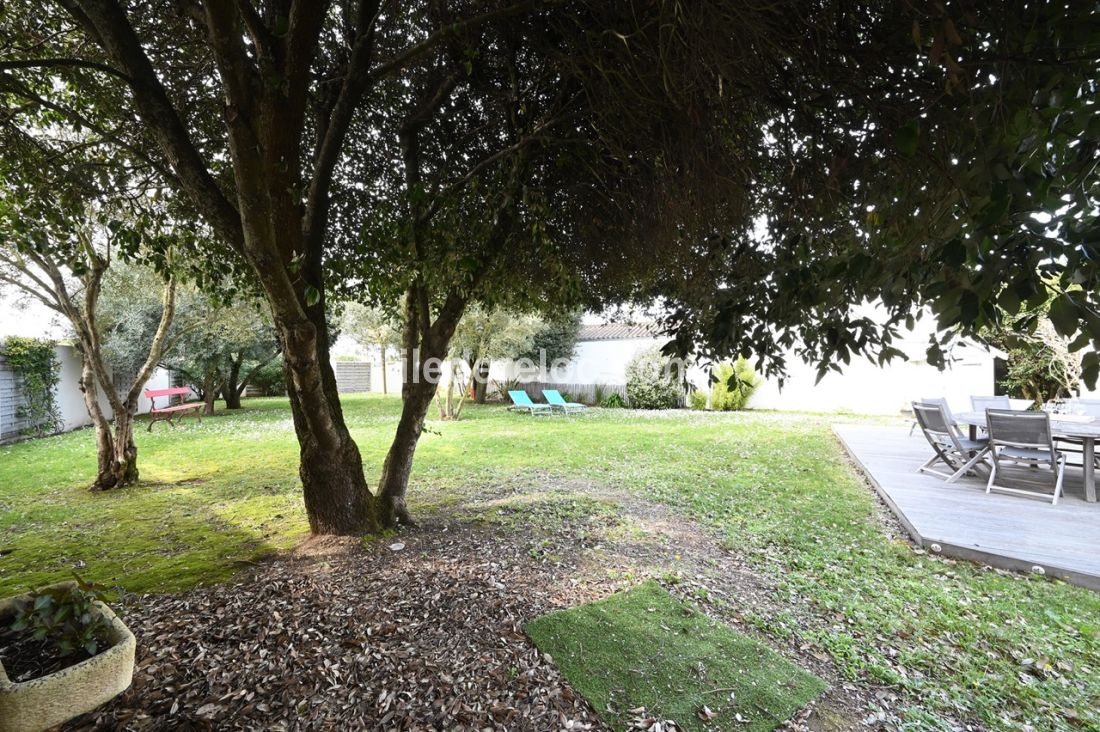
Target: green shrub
{"points": [[503, 386], [651, 381], [614, 401], [735, 383], [599, 394], [269, 379], [35, 362], [698, 399], [65, 616]]}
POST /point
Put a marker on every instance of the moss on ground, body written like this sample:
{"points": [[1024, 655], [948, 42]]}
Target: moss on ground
{"points": [[644, 648]]}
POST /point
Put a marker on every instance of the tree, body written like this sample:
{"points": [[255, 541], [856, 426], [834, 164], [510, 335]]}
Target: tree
{"points": [[228, 346], [250, 354], [1041, 363], [294, 77], [595, 152], [67, 276], [1041, 367], [944, 161], [487, 334], [373, 326], [555, 339]]}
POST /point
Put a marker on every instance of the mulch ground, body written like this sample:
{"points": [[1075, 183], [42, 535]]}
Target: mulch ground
{"points": [[422, 631]]}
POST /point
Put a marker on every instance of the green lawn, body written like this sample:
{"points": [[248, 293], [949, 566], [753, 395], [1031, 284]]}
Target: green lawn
{"points": [[959, 641]]}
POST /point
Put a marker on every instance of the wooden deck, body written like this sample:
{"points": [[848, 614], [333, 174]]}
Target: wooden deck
{"points": [[1005, 531]]}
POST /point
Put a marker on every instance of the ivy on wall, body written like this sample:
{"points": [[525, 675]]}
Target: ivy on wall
{"points": [[35, 362]]}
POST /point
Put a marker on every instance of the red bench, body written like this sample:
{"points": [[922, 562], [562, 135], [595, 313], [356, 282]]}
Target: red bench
{"points": [[171, 413]]}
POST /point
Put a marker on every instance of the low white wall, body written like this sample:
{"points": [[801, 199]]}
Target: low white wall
{"points": [[70, 401], [594, 362], [67, 396]]}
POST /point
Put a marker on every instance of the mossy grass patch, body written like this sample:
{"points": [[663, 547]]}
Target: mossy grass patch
{"points": [[644, 648]]}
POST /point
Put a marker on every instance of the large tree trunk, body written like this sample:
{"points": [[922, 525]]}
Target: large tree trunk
{"points": [[336, 495], [397, 468], [423, 342], [279, 220], [124, 466]]}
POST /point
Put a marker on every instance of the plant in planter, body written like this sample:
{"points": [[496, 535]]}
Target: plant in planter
{"points": [[62, 653]]}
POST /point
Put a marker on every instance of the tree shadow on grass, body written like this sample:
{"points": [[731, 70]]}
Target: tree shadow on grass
{"points": [[147, 539]]}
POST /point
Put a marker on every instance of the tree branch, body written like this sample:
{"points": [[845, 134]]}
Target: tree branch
{"points": [[38, 63], [335, 132], [16, 87], [168, 301], [118, 39], [417, 51]]}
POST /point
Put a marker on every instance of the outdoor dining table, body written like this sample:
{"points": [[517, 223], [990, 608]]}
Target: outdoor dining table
{"points": [[1085, 429]]}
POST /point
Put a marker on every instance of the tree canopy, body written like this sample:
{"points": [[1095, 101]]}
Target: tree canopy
{"points": [[757, 169]]}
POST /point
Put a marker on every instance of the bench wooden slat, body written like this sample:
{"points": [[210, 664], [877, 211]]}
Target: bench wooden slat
{"points": [[170, 412], [180, 407]]}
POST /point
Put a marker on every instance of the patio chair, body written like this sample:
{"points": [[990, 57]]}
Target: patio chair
{"points": [[982, 403], [946, 410], [522, 403], [555, 399], [959, 454], [1023, 438]]}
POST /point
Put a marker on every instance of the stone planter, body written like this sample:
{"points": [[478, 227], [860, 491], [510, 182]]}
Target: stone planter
{"points": [[37, 704]]}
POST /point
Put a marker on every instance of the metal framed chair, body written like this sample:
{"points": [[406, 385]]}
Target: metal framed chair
{"points": [[959, 454], [1023, 438], [982, 403], [946, 410]]}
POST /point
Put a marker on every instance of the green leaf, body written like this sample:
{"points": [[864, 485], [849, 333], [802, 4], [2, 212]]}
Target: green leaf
{"points": [[1090, 369], [907, 138], [1063, 313], [313, 295]]}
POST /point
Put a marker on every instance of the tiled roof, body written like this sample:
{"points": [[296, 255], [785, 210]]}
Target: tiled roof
{"points": [[617, 331]]}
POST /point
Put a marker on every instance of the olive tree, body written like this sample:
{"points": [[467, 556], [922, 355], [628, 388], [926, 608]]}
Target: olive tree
{"points": [[65, 271]]}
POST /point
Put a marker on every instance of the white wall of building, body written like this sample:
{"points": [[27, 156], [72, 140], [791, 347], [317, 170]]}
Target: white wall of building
{"points": [[67, 395], [593, 362], [864, 387]]}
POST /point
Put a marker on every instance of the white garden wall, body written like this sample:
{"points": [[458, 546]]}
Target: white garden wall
{"points": [[70, 401]]}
